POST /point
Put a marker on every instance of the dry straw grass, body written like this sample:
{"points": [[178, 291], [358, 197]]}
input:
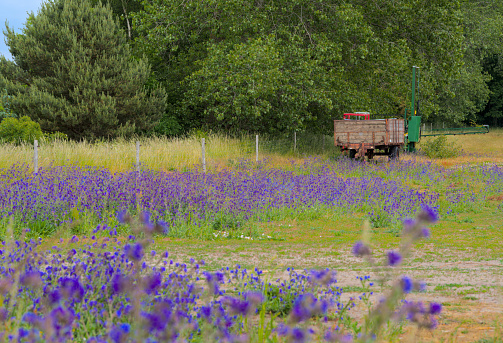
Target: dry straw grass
{"points": [[481, 148], [155, 153], [221, 152]]}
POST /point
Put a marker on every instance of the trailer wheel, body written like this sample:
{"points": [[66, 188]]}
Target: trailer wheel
{"points": [[370, 154], [352, 153], [394, 152]]}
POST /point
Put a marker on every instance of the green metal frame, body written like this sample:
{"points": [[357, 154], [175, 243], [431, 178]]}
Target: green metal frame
{"points": [[413, 128], [457, 131], [413, 120]]}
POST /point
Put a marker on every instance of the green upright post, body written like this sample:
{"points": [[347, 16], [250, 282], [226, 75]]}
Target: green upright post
{"points": [[412, 124], [413, 100]]}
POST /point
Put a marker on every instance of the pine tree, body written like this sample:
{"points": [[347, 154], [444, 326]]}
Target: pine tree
{"points": [[73, 72]]}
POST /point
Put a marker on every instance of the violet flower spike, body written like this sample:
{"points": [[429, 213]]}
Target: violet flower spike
{"points": [[360, 249], [407, 284], [394, 258], [428, 214], [435, 308]]}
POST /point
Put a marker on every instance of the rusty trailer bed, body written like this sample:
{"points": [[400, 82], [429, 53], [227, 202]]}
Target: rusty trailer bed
{"points": [[367, 135]]}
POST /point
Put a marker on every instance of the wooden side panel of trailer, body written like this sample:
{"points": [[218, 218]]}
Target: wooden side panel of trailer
{"points": [[396, 131]]}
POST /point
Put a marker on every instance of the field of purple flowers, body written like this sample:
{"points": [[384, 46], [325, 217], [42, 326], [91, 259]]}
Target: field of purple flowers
{"points": [[105, 284], [194, 204]]}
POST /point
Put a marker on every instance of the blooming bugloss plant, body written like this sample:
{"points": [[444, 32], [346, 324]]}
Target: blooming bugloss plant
{"points": [[111, 290]]}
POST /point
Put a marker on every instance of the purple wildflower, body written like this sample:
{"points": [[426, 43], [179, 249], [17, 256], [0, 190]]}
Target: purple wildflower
{"points": [[334, 336], [323, 277], [408, 225], [31, 279], [360, 249], [435, 308], [407, 284], [22, 333], [305, 306], [298, 335], [161, 227], [206, 312], [153, 282], [31, 318], [54, 297], [61, 319], [119, 283], [283, 330], [123, 217], [120, 333], [255, 298], [71, 289], [425, 232], [237, 306], [394, 258], [145, 217], [428, 214], [134, 252]]}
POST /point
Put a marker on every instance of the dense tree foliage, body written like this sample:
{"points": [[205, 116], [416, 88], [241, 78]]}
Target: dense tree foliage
{"points": [[123, 10], [73, 72], [5, 108], [14, 130], [256, 66], [492, 114], [469, 89], [483, 27], [292, 64]]}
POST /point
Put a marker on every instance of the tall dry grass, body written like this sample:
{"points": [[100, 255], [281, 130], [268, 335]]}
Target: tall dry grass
{"points": [[479, 148], [118, 155], [155, 153], [489, 144], [221, 151]]}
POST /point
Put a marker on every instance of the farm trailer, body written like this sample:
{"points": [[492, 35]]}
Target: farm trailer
{"points": [[370, 137], [386, 136]]}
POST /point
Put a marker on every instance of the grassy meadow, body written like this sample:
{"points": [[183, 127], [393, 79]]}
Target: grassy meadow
{"points": [[303, 209]]}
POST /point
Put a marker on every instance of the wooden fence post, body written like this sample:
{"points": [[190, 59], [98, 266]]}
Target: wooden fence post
{"points": [[256, 148], [138, 156], [35, 156], [203, 156]]}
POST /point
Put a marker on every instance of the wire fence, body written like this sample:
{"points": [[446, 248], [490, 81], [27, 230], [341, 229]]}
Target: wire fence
{"points": [[173, 154]]}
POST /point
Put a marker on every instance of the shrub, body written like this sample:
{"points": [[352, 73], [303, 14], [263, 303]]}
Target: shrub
{"points": [[439, 148], [55, 136], [13, 130], [168, 126]]}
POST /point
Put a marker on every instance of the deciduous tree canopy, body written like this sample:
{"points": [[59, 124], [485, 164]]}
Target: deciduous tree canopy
{"points": [[293, 64]]}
